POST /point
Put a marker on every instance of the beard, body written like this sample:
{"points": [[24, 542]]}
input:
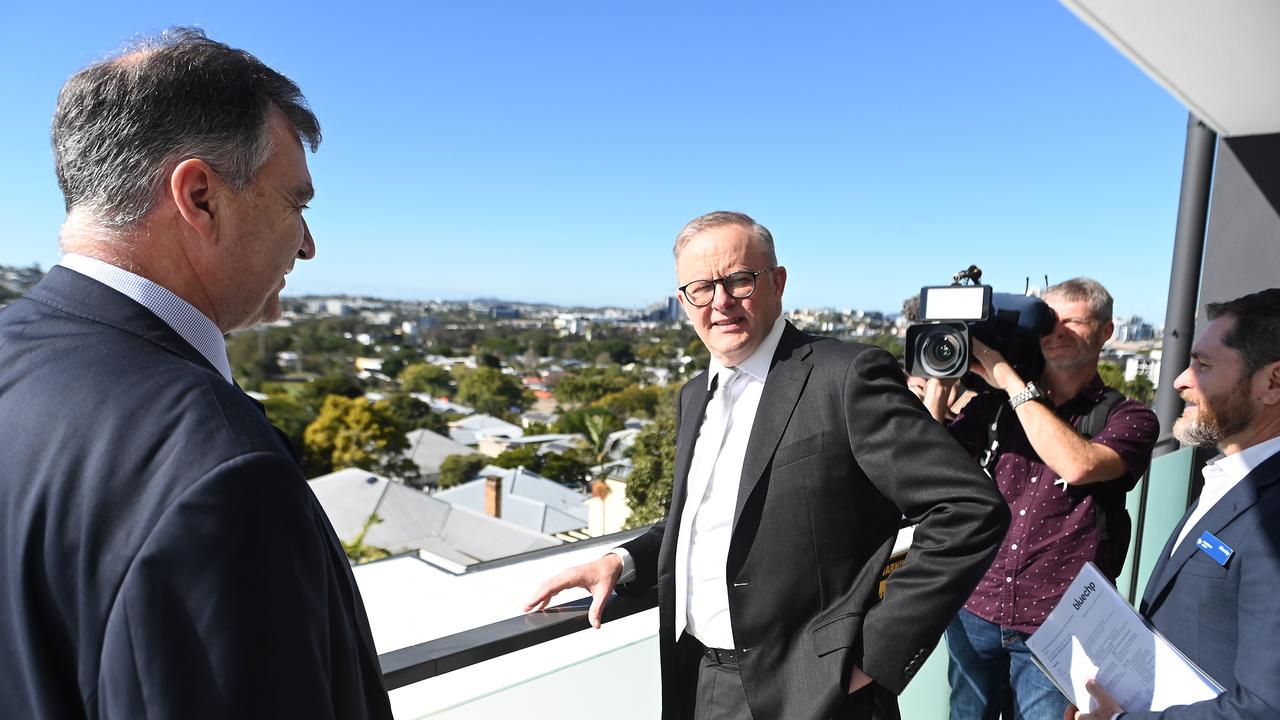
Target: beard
{"points": [[1214, 423]]}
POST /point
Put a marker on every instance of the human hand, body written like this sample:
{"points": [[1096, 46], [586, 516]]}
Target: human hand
{"points": [[1106, 706], [917, 385], [988, 364], [597, 577], [936, 396]]}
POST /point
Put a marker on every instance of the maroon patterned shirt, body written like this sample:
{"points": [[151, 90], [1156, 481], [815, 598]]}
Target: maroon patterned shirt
{"points": [[1054, 531]]}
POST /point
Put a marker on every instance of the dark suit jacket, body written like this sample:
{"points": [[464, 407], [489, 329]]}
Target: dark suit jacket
{"points": [[839, 452], [1226, 619], [160, 552]]}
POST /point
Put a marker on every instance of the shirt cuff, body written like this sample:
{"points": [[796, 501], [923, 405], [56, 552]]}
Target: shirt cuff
{"points": [[628, 565]]}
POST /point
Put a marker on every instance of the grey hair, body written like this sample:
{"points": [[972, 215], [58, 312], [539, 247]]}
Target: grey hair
{"points": [[721, 218], [123, 124], [1088, 290]]}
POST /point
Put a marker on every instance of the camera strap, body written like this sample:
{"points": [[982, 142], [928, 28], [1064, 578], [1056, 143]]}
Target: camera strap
{"points": [[988, 460], [1104, 495]]}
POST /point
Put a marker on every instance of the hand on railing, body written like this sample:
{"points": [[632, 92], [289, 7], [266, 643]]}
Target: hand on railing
{"points": [[597, 577]]}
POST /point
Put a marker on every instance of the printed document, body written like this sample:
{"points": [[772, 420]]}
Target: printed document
{"points": [[1093, 632]]}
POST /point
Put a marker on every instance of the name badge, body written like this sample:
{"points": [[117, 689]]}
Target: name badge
{"points": [[1214, 548]]}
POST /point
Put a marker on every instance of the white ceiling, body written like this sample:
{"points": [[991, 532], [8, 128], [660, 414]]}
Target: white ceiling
{"points": [[1221, 58]]}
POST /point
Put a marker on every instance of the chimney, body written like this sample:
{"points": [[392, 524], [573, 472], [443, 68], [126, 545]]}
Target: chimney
{"points": [[493, 496]]}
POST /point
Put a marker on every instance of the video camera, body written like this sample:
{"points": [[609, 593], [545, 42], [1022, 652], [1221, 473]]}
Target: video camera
{"points": [[950, 315]]}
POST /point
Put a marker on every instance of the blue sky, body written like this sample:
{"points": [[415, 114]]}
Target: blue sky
{"points": [[550, 151]]}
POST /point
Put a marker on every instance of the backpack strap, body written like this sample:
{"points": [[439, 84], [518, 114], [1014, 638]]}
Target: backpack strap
{"points": [[1093, 423], [1115, 547]]}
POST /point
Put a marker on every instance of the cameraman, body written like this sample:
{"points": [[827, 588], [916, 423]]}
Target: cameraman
{"points": [[1063, 450]]}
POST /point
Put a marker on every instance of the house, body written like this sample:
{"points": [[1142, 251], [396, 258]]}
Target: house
{"points": [[428, 450], [442, 405], [473, 428], [607, 509], [525, 499], [495, 446], [446, 535]]}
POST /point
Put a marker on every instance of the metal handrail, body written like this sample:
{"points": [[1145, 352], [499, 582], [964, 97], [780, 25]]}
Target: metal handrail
{"points": [[453, 652]]}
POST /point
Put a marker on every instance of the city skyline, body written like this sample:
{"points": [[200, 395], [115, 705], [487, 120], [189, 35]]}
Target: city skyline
{"points": [[550, 154]]}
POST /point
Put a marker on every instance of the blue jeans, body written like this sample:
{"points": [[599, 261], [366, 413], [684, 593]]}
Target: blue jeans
{"points": [[984, 658]]}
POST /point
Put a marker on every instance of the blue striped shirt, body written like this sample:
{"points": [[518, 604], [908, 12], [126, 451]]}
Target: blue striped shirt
{"points": [[190, 323]]}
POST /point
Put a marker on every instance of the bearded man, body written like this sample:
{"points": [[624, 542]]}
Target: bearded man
{"points": [[1213, 591]]}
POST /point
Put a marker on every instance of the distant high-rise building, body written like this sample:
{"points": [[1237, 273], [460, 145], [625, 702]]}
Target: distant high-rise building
{"points": [[674, 312], [1132, 329]]}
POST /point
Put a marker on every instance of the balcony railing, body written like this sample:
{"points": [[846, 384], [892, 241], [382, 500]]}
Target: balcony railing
{"points": [[454, 652], [623, 673]]}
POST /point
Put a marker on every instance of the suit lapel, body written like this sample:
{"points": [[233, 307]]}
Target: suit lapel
{"points": [[1239, 499], [782, 388]]}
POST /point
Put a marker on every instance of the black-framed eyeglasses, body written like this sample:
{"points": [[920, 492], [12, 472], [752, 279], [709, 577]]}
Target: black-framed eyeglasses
{"points": [[738, 285]]}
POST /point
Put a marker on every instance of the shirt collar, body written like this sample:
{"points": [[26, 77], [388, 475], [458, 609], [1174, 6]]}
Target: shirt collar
{"points": [[192, 325], [1084, 400], [1094, 389], [1237, 465], [757, 365]]}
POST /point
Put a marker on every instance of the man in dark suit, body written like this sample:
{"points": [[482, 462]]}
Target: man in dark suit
{"points": [[1212, 592], [796, 458], [160, 552]]}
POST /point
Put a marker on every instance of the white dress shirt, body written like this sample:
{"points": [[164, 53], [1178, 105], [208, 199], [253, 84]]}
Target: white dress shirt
{"points": [[190, 323], [1220, 475], [717, 468]]}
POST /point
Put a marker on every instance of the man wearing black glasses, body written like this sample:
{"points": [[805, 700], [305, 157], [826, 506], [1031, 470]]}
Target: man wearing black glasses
{"points": [[796, 458]]}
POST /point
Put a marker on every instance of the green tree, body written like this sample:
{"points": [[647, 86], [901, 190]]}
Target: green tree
{"points": [[394, 362], [591, 384], [597, 427], [457, 469], [888, 341], [343, 384], [358, 551], [525, 456], [427, 378], [654, 461], [252, 355], [1141, 389], [289, 415], [631, 401], [1112, 375], [413, 414], [565, 468], [696, 350], [575, 421], [353, 432], [491, 392]]}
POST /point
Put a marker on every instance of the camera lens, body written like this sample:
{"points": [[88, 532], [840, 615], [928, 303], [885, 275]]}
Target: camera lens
{"points": [[942, 353]]}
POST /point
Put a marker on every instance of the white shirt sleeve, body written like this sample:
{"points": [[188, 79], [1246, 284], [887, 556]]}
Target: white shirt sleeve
{"points": [[628, 565]]}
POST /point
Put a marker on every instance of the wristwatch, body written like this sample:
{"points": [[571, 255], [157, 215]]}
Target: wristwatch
{"points": [[1031, 392]]}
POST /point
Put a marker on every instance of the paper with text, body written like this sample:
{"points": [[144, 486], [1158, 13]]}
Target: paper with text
{"points": [[1093, 632]]}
